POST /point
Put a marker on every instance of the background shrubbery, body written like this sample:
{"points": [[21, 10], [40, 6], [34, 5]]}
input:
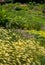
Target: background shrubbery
{"points": [[23, 17], [24, 1]]}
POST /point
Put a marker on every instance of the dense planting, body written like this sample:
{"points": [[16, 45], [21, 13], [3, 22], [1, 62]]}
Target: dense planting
{"points": [[22, 34], [15, 49], [23, 17]]}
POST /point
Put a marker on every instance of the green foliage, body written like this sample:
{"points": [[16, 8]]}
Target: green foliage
{"points": [[3, 18], [43, 10], [31, 5], [21, 16], [17, 46]]}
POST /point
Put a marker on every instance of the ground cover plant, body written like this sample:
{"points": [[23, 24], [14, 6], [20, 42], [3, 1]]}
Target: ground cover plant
{"points": [[16, 49], [22, 34]]}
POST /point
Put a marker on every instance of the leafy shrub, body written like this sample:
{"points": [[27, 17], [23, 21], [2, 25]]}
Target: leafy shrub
{"points": [[40, 39], [34, 3], [18, 16], [18, 8], [43, 10], [30, 5], [3, 19], [35, 25]]}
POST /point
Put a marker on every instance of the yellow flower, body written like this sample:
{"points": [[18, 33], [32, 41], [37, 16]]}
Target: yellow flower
{"points": [[6, 54]]}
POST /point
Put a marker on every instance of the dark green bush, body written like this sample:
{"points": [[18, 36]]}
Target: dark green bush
{"points": [[43, 10], [3, 19], [40, 39], [31, 6], [18, 8], [34, 25], [34, 3]]}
